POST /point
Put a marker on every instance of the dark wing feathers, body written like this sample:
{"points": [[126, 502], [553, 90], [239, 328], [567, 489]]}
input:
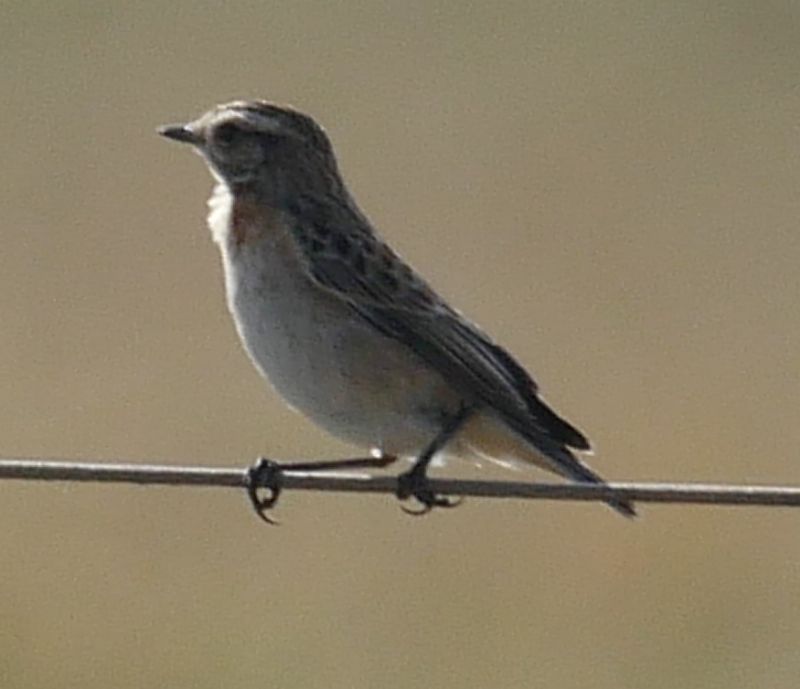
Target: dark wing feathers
{"points": [[408, 310]]}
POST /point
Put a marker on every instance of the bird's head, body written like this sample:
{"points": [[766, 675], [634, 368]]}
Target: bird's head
{"points": [[260, 145]]}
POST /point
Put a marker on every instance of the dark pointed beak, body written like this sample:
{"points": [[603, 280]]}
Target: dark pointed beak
{"points": [[180, 132]]}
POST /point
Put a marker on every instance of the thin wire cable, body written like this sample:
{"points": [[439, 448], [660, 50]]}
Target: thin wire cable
{"points": [[148, 474]]}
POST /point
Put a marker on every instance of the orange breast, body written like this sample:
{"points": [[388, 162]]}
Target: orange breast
{"points": [[251, 221]]}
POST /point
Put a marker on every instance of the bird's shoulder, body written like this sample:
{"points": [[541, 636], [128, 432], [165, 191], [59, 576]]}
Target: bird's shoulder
{"points": [[341, 252]]}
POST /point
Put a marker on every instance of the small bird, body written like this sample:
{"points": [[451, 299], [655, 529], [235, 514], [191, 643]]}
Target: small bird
{"points": [[343, 328]]}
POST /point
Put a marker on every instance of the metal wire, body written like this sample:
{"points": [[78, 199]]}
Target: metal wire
{"points": [[148, 474]]}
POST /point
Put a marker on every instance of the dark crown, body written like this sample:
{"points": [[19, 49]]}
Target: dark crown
{"points": [[290, 120]]}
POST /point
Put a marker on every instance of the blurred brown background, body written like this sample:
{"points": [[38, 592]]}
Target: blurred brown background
{"points": [[610, 188]]}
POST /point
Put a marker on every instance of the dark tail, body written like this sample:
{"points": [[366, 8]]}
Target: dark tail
{"points": [[569, 466], [583, 474]]}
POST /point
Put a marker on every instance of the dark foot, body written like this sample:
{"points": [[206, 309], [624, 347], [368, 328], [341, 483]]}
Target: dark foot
{"points": [[264, 486], [415, 484], [264, 478]]}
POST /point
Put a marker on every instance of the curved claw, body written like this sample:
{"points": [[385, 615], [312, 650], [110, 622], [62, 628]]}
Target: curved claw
{"points": [[264, 475], [415, 484], [262, 514]]}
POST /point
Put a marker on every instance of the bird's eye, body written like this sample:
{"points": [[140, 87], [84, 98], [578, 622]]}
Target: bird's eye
{"points": [[226, 133]]}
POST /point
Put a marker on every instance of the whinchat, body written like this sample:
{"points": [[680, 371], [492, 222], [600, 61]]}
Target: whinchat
{"points": [[343, 328]]}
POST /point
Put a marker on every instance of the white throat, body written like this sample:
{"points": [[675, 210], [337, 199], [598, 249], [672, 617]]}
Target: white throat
{"points": [[220, 207]]}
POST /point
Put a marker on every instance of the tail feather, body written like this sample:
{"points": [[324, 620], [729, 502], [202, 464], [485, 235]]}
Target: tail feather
{"points": [[569, 466], [490, 438]]}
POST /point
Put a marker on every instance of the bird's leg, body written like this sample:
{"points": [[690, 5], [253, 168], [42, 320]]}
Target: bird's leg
{"points": [[266, 476], [415, 481]]}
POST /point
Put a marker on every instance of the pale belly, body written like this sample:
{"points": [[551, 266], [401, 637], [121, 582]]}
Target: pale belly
{"points": [[325, 361]]}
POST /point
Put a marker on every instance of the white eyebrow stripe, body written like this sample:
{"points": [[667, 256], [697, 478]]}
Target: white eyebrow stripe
{"points": [[263, 122], [252, 120], [259, 120]]}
